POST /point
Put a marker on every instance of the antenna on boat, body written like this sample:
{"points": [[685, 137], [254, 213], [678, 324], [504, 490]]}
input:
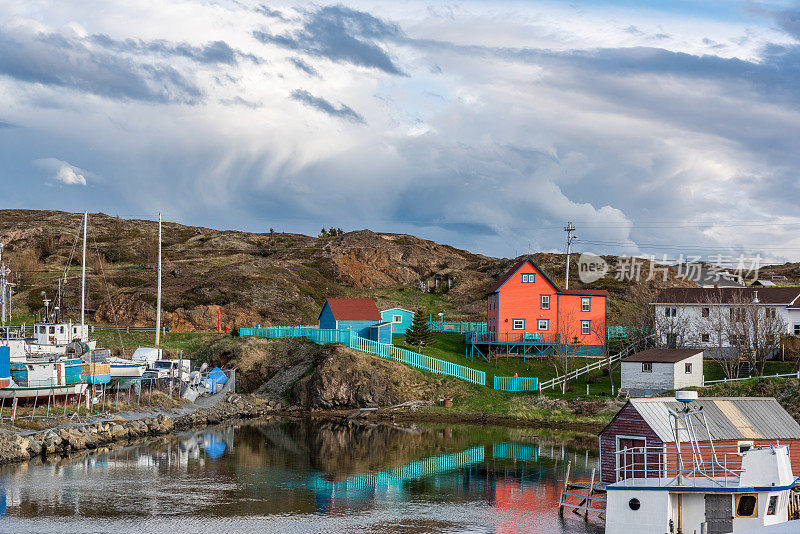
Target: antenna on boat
{"points": [[158, 297], [83, 271]]}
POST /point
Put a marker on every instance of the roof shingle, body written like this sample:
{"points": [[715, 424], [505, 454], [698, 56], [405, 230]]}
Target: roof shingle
{"points": [[354, 309]]}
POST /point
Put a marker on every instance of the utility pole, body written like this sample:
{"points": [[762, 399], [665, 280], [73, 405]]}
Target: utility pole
{"points": [[569, 228], [83, 273], [3, 275], [158, 296]]}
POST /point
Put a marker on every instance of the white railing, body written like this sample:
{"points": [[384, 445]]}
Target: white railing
{"points": [[599, 364], [776, 375], [719, 464]]}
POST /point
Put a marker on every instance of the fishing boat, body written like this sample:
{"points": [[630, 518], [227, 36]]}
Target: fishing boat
{"points": [[698, 487], [45, 377]]}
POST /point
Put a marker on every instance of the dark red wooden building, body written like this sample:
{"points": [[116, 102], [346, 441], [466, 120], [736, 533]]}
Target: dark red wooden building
{"points": [[734, 424]]}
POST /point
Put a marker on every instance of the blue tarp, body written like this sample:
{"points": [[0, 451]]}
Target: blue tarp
{"points": [[215, 378], [5, 362]]}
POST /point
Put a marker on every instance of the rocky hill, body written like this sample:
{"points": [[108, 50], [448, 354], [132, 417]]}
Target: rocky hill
{"points": [[247, 278]]}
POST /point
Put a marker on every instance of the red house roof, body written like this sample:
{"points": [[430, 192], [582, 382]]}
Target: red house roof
{"points": [[354, 309], [503, 279]]}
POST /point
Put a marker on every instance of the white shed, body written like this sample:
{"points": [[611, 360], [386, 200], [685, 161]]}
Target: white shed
{"points": [[653, 371]]}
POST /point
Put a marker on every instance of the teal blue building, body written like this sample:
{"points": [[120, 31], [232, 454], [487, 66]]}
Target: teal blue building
{"points": [[360, 316], [400, 319]]}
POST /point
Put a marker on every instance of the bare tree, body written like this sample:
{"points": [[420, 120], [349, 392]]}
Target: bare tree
{"points": [[673, 327], [765, 326], [565, 347], [713, 332]]}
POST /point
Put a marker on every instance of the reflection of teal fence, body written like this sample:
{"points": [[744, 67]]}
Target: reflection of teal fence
{"points": [[457, 327], [516, 383], [347, 337], [412, 471], [515, 451]]}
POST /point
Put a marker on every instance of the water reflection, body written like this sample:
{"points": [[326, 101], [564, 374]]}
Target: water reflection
{"points": [[306, 477]]}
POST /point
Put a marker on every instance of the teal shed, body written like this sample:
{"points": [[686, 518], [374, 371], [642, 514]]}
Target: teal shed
{"points": [[400, 319]]}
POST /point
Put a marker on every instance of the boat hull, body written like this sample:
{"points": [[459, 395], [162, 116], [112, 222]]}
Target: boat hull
{"points": [[21, 392]]}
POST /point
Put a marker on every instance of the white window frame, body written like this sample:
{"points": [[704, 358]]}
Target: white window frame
{"points": [[687, 368], [542, 305], [397, 318], [514, 324], [747, 443], [648, 368], [588, 325], [528, 278], [546, 324], [796, 329], [705, 338], [588, 304]]}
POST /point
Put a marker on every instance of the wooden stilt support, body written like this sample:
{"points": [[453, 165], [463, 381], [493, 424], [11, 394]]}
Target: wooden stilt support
{"points": [[563, 490], [589, 497]]}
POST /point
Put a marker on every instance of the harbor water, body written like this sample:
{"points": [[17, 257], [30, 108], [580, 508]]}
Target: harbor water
{"points": [[304, 476]]}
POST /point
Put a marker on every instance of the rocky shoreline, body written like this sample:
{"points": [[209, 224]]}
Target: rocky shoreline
{"points": [[22, 445]]}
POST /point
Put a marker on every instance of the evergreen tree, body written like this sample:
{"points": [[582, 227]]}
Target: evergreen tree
{"points": [[418, 334]]}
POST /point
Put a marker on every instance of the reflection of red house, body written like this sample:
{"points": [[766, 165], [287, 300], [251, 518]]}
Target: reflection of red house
{"points": [[524, 304]]}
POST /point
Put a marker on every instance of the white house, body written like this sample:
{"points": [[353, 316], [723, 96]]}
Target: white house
{"points": [[654, 371], [685, 316]]}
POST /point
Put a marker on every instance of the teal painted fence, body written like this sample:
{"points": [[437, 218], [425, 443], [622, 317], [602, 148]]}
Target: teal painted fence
{"points": [[346, 337], [613, 332], [516, 383], [456, 327], [515, 451], [399, 476]]}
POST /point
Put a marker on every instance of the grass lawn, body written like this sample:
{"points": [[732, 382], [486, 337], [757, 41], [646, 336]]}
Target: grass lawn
{"points": [[124, 343], [452, 348]]}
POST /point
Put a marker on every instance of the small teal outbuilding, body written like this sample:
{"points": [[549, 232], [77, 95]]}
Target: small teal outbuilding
{"points": [[400, 318], [358, 315]]}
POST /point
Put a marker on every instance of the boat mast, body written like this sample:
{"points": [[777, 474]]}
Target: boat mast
{"points": [[83, 273], [158, 297]]}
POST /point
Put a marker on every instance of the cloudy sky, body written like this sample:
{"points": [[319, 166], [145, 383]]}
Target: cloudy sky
{"points": [[657, 127]]}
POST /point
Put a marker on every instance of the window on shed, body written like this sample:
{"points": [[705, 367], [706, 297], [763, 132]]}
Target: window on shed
{"points": [[586, 304], [397, 318], [518, 324], [670, 312], [706, 338], [688, 368], [544, 302], [647, 367], [769, 313], [706, 312]]}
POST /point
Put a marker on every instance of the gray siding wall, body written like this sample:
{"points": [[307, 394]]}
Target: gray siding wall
{"points": [[662, 377], [682, 379]]}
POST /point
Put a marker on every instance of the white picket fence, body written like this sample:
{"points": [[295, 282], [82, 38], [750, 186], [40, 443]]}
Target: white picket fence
{"points": [[594, 366], [776, 375]]}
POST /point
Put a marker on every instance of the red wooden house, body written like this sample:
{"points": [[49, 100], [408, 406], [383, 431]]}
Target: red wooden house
{"points": [[735, 423], [525, 306]]}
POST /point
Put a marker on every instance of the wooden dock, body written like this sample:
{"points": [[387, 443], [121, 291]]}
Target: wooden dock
{"points": [[591, 495]]}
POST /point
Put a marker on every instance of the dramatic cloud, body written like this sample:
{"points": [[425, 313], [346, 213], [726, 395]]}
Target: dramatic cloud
{"points": [[341, 34], [60, 60], [343, 112], [303, 66], [61, 171], [486, 125]]}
